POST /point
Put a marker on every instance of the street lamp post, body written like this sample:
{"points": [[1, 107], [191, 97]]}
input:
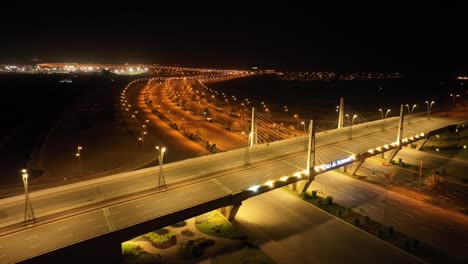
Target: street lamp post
{"points": [[410, 113], [297, 127], [28, 210], [453, 97], [383, 117], [305, 134], [350, 129], [78, 155], [429, 106], [161, 181], [247, 149], [268, 114]]}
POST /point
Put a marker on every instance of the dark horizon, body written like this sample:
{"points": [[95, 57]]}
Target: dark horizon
{"points": [[326, 38]]}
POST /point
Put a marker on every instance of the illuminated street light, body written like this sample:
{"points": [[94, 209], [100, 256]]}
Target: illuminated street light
{"points": [[410, 113], [429, 106], [28, 210], [78, 155], [297, 116], [453, 97], [161, 181], [383, 117], [350, 129]]}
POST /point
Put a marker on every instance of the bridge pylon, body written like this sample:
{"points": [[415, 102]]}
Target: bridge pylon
{"points": [[310, 157], [253, 129], [400, 133], [341, 113]]}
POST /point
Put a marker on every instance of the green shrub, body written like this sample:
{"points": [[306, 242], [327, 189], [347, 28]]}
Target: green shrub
{"points": [[319, 202], [380, 233], [314, 194], [131, 250], [339, 212], [356, 221], [329, 200]]}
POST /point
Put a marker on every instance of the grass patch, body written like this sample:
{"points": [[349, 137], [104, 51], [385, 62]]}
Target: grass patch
{"points": [[131, 250], [215, 225], [242, 252], [193, 249], [161, 238]]}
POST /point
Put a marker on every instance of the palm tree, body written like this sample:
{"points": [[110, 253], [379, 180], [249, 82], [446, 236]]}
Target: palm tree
{"points": [[432, 183]]}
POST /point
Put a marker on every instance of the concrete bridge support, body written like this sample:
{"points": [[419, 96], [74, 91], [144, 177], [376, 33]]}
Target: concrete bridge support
{"points": [[230, 211], [358, 165], [421, 143]]}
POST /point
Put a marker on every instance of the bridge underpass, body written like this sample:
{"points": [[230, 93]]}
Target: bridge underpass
{"points": [[269, 165]]}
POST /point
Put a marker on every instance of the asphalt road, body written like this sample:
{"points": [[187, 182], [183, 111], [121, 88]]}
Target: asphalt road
{"points": [[290, 230], [234, 177]]}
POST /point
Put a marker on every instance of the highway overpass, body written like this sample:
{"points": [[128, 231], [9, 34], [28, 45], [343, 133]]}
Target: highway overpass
{"points": [[81, 218]]}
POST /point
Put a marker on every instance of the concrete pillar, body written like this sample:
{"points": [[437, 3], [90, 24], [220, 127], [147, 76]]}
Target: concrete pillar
{"points": [[253, 129], [341, 113]]}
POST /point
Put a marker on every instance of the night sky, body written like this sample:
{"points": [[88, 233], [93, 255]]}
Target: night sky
{"points": [[430, 37]]}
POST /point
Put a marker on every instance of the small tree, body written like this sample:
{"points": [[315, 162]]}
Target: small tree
{"points": [[432, 183], [314, 194]]}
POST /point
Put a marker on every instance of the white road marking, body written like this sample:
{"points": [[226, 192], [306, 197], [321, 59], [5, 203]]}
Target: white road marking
{"points": [[343, 189], [116, 212], [33, 246], [351, 198], [29, 238], [62, 228], [398, 217], [418, 212], [92, 219], [412, 216], [349, 186], [362, 196], [390, 202], [68, 235], [370, 205], [147, 211], [445, 197], [140, 205], [425, 229]]}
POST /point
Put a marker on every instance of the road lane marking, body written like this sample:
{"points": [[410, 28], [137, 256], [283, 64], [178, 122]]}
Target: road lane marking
{"points": [[437, 226], [451, 195], [140, 205], [147, 211], [62, 228], [417, 211], [34, 246], [362, 196], [29, 238], [221, 185], [351, 198], [445, 197], [343, 189], [370, 205], [68, 235], [108, 218], [390, 202], [349, 186], [116, 212], [412, 216], [425, 229], [398, 217], [92, 219]]}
